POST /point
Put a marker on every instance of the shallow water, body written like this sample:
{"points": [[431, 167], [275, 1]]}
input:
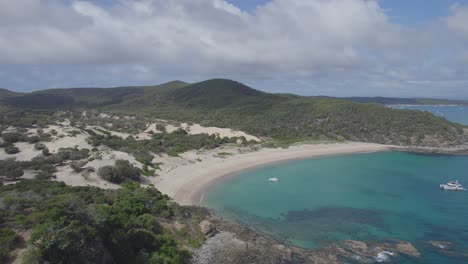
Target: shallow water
{"points": [[364, 197], [453, 113]]}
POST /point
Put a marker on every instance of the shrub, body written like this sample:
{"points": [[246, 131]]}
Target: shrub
{"points": [[33, 139], [48, 168], [4, 144], [122, 171], [107, 173], [45, 136], [73, 153], [144, 157], [12, 137], [77, 166], [8, 240], [14, 173], [161, 127], [87, 172], [11, 149], [39, 146], [44, 175], [45, 151]]}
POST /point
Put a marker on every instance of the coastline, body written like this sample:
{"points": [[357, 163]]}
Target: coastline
{"points": [[186, 184]]}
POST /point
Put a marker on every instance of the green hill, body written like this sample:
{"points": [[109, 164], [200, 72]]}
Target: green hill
{"points": [[227, 103]]}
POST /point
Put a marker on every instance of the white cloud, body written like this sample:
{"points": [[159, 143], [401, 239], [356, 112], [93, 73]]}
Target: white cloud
{"points": [[345, 45]]}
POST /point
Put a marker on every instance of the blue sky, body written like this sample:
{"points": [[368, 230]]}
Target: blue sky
{"points": [[400, 48], [409, 12]]}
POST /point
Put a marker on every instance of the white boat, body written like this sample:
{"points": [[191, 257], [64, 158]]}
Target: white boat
{"points": [[452, 186], [273, 179]]}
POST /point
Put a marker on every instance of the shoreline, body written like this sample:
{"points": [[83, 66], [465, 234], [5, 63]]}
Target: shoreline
{"points": [[187, 184]]}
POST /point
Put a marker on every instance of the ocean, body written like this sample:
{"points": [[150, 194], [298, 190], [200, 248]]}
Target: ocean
{"points": [[368, 197]]}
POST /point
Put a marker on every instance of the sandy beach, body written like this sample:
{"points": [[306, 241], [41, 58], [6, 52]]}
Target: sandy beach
{"points": [[187, 183]]}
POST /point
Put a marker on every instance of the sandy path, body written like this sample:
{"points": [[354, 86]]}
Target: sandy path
{"points": [[186, 184]]}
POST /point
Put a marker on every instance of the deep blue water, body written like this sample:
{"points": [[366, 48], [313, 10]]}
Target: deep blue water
{"points": [[366, 197], [453, 113]]}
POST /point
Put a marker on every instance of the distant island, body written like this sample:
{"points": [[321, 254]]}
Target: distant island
{"points": [[114, 175], [406, 101]]}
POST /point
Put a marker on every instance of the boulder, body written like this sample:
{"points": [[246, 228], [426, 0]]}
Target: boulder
{"points": [[407, 249], [208, 228]]}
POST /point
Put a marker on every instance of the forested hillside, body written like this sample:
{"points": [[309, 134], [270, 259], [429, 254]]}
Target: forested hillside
{"points": [[226, 103], [64, 224]]}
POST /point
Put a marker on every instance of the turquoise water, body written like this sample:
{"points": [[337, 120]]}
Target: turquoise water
{"points": [[453, 113], [363, 197]]}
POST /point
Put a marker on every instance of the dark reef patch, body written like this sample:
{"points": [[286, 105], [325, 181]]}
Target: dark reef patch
{"points": [[345, 214]]}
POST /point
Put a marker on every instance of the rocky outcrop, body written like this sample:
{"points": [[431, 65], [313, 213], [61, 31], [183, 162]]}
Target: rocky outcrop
{"points": [[208, 228], [449, 249], [234, 243]]}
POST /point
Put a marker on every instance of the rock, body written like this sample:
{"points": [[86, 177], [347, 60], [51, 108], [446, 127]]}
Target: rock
{"points": [[441, 244], [449, 249], [207, 228], [356, 245], [407, 249]]}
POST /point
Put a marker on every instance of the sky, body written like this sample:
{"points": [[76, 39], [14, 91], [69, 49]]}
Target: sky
{"points": [[399, 48]]}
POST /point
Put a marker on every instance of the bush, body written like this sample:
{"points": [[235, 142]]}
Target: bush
{"points": [[4, 144], [11, 149], [14, 173], [77, 166], [144, 157], [161, 127], [8, 241], [107, 173], [44, 176], [39, 146], [45, 151], [73, 153], [122, 171], [12, 137], [33, 139]]}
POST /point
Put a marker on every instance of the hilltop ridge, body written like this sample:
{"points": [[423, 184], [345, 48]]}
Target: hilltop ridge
{"points": [[230, 104]]}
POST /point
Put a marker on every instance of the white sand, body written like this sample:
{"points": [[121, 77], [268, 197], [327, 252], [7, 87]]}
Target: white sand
{"points": [[186, 183], [195, 129], [68, 176], [221, 132], [27, 152], [139, 136]]}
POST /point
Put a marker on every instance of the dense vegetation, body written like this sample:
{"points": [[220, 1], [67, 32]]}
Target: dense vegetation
{"points": [[226, 103], [92, 225], [173, 143]]}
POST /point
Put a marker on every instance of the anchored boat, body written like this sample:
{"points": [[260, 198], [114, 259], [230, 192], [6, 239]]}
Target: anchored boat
{"points": [[273, 179], [452, 186]]}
